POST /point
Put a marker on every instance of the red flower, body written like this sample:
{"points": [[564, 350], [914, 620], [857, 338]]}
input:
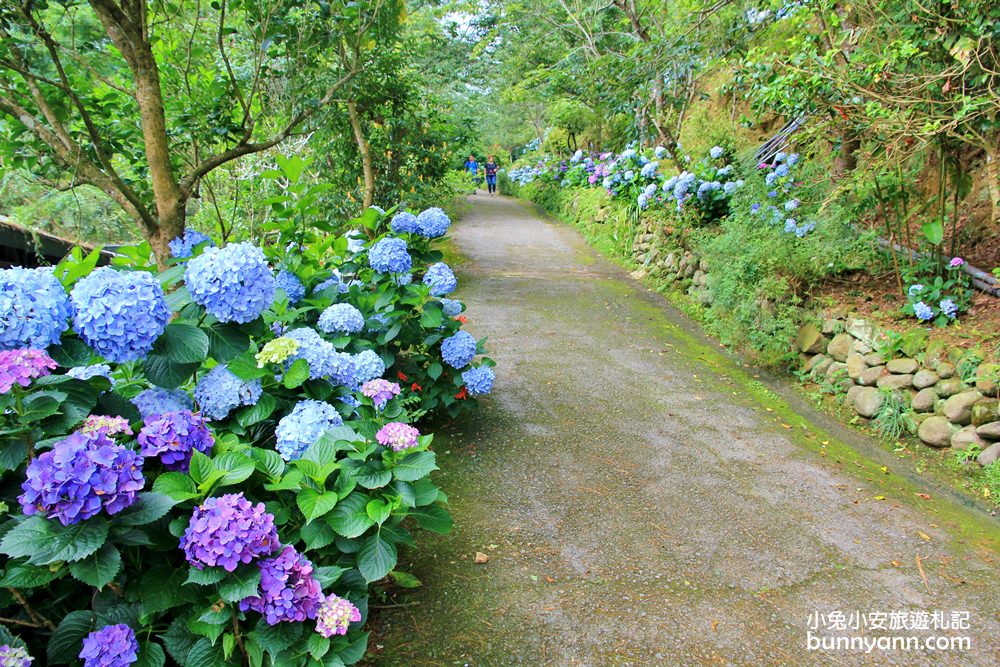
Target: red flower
{"points": [[415, 387], [462, 319], [463, 394], [402, 376]]}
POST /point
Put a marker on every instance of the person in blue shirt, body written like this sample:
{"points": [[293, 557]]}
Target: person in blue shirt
{"points": [[472, 167]]}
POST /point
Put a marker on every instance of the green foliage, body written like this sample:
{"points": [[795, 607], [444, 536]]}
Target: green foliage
{"points": [[893, 415]]}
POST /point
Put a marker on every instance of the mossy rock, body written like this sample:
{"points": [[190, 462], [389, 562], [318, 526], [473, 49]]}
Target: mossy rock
{"points": [[914, 341]]}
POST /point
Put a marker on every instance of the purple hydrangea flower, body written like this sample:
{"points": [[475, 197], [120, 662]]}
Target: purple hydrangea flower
{"points": [[233, 283], [923, 311], [380, 391], [334, 615], [288, 591], [34, 308], [441, 279], [119, 314], [341, 318], [433, 223], [368, 366], [183, 247], [157, 401], [303, 426], [398, 436], [389, 255], [404, 223], [229, 530], [956, 262], [219, 392], [173, 437], [80, 476], [290, 283], [20, 367], [111, 646], [479, 381], [458, 350], [11, 656]]}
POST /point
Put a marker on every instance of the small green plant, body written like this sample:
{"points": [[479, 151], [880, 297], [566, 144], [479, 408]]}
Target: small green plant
{"points": [[991, 477], [968, 365], [892, 417]]}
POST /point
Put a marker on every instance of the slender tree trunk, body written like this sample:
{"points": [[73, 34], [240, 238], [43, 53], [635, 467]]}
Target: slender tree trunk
{"points": [[993, 177], [366, 156]]}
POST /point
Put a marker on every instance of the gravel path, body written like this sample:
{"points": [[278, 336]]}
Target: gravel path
{"points": [[643, 501]]}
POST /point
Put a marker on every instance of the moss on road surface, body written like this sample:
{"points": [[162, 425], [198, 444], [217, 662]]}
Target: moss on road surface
{"points": [[644, 501]]}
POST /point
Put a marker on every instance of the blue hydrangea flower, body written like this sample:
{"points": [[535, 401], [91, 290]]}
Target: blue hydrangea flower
{"points": [[433, 223], [949, 308], [790, 225], [355, 241], [92, 371], [304, 425], [219, 392], [227, 531], [290, 283], [183, 247], [755, 208], [782, 170], [659, 152], [923, 311], [642, 200], [340, 367], [792, 159], [234, 283], [111, 646], [389, 255], [368, 366], [119, 314], [716, 152], [34, 308], [80, 476], [791, 204], [771, 178], [158, 401], [915, 289], [441, 279], [458, 350], [729, 188], [451, 307], [404, 222], [342, 318], [479, 381], [335, 281], [17, 656], [772, 194], [629, 175], [313, 349], [779, 157], [649, 170]]}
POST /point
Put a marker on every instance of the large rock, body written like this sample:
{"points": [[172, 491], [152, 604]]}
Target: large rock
{"points": [[832, 326], [836, 371], [925, 378], [868, 401], [856, 365], [861, 329], [871, 376], [958, 408], [924, 400], [820, 369], [936, 431], [986, 411], [809, 339], [852, 393], [840, 346], [874, 359], [902, 366], [990, 431], [861, 347], [988, 378], [950, 387], [813, 362], [895, 382], [967, 437], [914, 341], [946, 370], [937, 352], [989, 455]]}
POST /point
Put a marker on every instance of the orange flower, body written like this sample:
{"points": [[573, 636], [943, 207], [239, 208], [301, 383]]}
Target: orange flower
{"points": [[462, 319], [402, 376], [463, 394], [415, 387]]}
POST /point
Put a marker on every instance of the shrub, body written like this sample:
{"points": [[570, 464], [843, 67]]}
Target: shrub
{"points": [[264, 489]]}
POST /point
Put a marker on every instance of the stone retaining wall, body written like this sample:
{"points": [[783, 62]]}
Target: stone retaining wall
{"points": [[945, 410]]}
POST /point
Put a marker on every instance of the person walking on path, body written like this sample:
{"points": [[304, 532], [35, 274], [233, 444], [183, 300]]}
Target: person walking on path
{"points": [[472, 167], [491, 176]]}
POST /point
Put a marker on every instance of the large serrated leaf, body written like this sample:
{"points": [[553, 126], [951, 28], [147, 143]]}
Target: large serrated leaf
{"points": [[64, 644], [242, 583], [44, 541], [100, 568], [377, 557], [314, 504], [414, 466], [147, 508], [176, 485], [433, 517], [350, 517], [23, 575], [183, 343]]}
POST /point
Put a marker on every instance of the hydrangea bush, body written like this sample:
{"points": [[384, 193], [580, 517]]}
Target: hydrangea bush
{"points": [[212, 465]]}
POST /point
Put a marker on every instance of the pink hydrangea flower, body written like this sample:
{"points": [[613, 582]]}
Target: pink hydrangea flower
{"points": [[398, 436], [20, 367]]}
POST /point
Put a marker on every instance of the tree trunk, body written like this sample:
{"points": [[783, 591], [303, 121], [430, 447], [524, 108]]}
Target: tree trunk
{"points": [[366, 156], [846, 159], [993, 178]]}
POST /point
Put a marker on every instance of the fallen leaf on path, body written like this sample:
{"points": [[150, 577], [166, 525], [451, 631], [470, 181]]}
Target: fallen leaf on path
{"points": [[923, 496], [895, 563], [923, 535], [481, 558], [715, 624], [879, 497], [786, 426]]}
